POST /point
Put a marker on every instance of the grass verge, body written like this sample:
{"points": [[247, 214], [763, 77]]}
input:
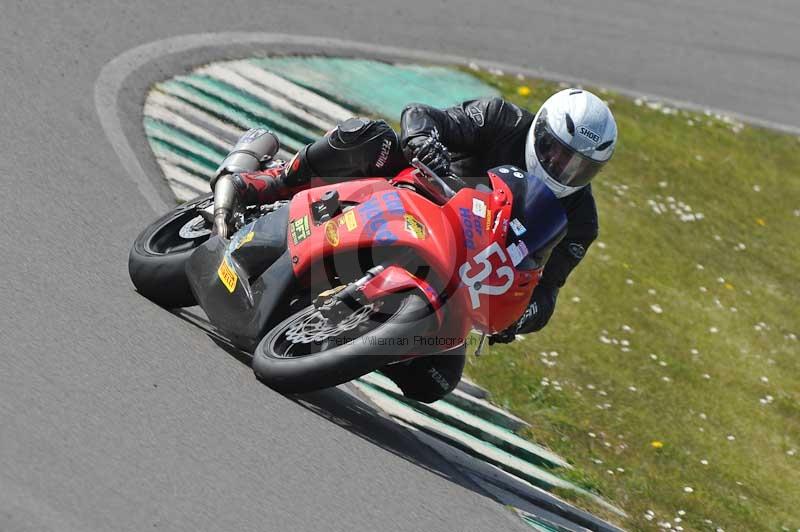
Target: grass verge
{"points": [[669, 372]]}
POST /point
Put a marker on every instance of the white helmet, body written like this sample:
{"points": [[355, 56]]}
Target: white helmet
{"points": [[573, 135]]}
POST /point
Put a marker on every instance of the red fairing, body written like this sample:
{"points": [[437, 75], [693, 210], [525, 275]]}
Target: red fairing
{"points": [[462, 240], [396, 279]]}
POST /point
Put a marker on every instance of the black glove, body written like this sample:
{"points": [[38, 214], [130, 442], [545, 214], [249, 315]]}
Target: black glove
{"points": [[430, 152], [504, 337]]}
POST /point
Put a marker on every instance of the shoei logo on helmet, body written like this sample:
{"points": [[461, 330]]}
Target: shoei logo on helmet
{"points": [[589, 134]]}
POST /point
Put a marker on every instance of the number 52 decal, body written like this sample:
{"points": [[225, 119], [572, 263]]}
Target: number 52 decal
{"points": [[474, 281]]}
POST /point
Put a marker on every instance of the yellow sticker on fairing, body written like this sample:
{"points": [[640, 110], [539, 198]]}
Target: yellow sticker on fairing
{"points": [[332, 233], [227, 276], [247, 238], [349, 220], [415, 227]]}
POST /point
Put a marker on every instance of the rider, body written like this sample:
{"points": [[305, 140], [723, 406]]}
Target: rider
{"points": [[567, 142]]}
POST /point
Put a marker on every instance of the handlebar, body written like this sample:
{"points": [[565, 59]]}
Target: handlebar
{"points": [[432, 177]]}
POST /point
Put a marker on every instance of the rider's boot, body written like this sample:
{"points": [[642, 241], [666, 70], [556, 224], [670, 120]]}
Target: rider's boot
{"points": [[275, 183], [279, 182]]}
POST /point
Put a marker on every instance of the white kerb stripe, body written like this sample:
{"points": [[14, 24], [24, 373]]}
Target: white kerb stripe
{"points": [[279, 103], [173, 119], [303, 97]]}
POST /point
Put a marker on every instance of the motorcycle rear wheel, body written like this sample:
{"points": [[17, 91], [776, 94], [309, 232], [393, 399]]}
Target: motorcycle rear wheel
{"points": [[290, 366], [157, 259]]}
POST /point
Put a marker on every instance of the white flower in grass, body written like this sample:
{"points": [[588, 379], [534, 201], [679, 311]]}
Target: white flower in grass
{"points": [[721, 280], [601, 245], [756, 188], [663, 184], [576, 299], [627, 328], [677, 520], [703, 289], [662, 363], [651, 291], [791, 452], [649, 517], [597, 461], [694, 351], [666, 379], [734, 309], [706, 376], [717, 238], [592, 435], [704, 461], [632, 388], [653, 356], [624, 343], [740, 246], [731, 437], [700, 267], [703, 415], [681, 512], [764, 379], [688, 489], [655, 307], [713, 330], [629, 282], [590, 386], [602, 392]]}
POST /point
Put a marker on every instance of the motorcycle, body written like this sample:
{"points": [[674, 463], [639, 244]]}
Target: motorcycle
{"points": [[348, 278]]}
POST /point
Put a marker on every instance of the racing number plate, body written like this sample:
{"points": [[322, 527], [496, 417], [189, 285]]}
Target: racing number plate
{"points": [[474, 277]]}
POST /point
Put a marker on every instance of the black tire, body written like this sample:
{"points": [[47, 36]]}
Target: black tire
{"points": [[157, 259], [341, 363]]}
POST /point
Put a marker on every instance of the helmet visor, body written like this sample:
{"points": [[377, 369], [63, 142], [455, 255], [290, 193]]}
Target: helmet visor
{"points": [[559, 160]]}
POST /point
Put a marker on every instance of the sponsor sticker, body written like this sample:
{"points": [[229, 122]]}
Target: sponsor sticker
{"points": [[247, 238], [349, 220], [299, 229], [517, 227], [478, 208], [332, 233], [415, 227], [488, 220], [519, 175], [515, 253], [227, 275], [472, 226], [503, 170]]}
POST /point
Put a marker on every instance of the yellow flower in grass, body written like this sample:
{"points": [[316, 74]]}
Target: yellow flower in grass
{"points": [[524, 90], [655, 444], [761, 221]]}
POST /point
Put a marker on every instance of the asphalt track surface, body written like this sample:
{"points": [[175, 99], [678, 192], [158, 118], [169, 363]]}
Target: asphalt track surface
{"points": [[117, 415]]}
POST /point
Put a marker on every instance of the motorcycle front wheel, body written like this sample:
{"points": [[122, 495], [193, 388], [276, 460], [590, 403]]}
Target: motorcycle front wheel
{"points": [[158, 255], [308, 352]]}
